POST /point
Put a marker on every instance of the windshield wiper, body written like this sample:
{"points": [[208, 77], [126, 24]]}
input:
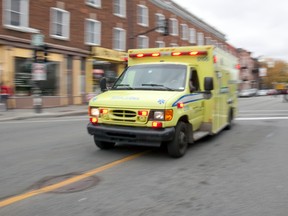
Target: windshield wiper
{"points": [[157, 85], [127, 86]]}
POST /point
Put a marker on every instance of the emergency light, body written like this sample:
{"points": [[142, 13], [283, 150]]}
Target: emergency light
{"points": [[157, 54], [140, 55], [190, 53]]}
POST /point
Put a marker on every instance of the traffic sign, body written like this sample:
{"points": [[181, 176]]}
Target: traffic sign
{"points": [[37, 40], [39, 71]]}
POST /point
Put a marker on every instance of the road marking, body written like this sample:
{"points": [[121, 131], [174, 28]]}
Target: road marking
{"points": [[261, 118], [257, 111], [49, 188]]}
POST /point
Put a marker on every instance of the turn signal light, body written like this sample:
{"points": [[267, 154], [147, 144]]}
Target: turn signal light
{"points": [[168, 115], [156, 124], [142, 113], [103, 111], [180, 105], [94, 120]]}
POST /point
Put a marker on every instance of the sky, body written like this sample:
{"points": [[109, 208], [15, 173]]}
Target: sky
{"points": [[260, 27]]}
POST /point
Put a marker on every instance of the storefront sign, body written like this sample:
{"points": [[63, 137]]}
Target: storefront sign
{"points": [[39, 71], [108, 54]]}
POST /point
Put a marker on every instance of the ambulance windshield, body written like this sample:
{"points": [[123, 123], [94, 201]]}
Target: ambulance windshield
{"points": [[153, 76]]}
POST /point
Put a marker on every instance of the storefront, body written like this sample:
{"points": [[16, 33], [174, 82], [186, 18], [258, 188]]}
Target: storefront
{"points": [[104, 62], [61, 82]]}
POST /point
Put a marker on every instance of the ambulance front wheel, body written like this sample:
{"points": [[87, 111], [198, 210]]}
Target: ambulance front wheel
{"points": [[103, 144], [178, 146]]}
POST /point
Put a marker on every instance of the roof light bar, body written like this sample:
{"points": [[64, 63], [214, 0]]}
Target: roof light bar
{"points": [[140, 55], [191, 53]]}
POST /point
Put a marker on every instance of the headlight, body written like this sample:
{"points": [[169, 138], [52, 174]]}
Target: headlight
{"points": [[161, 115], [94, 111], [158, 115]]}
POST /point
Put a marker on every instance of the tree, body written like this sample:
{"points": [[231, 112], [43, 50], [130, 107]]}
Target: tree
{"points": [[276, 74]]}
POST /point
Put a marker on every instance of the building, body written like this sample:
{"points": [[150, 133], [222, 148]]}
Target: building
{"points": [[249, 70], [64, 47]]}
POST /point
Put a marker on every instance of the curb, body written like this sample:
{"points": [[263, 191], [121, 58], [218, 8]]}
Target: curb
{"points": [[44, 115]]}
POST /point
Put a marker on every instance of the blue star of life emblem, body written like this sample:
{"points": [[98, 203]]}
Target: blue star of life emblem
{"points": [[161, 101]]}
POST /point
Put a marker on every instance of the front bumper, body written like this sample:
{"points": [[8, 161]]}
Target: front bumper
{"points": [[131, 135]]}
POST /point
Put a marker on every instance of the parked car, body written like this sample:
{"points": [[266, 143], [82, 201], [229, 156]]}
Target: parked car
{"points": [[247, 92], [272, 92], [262, 92]]}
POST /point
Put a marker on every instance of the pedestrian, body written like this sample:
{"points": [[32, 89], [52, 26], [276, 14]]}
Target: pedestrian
{"points": [[5, 92]]}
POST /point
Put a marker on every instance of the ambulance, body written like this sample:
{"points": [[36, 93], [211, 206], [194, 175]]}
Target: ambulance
{"points": [[166, 97]]}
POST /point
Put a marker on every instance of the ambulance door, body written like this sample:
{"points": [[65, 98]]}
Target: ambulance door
{"points": [[195, 100]]}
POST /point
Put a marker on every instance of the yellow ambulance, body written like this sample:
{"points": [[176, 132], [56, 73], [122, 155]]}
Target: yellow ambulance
{"points": [[167, 97]]}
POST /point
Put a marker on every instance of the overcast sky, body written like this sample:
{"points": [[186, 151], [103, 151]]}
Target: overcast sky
{"points": [[260, 27]]}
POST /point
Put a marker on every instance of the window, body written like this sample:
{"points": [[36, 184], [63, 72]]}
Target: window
{"points": [[142, 41], [200, 39], [192, 36], [159, 44], [173, 45], [94, 3], [60, 23], [184, 32], [194, 81], [120, 8], [208, 41], [93, 32], [142, 15], [119, 39], [24, 85], [159, 22], [16, 15], [156, 77], [174, 27]]}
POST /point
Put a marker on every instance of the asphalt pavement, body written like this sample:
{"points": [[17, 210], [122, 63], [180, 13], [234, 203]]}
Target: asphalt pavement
{"points": [[19, 114]]}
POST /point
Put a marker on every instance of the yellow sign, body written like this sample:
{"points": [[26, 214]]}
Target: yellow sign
{"points": [[108, 54]]}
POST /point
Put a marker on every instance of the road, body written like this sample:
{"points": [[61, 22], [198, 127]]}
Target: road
{"points": [[51, 167]]}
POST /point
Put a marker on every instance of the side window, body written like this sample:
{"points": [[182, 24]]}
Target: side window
{"points": [[194, 81]]}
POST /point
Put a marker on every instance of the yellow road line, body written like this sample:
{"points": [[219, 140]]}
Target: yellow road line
{"points": [[49, 188]]}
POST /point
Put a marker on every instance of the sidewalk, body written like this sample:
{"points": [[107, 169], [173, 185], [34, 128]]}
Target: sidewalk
{"points": [[19, 114]]}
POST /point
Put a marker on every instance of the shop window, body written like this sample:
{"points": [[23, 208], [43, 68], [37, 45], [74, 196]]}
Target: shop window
{"points": [[104, 69], [24, 84]]}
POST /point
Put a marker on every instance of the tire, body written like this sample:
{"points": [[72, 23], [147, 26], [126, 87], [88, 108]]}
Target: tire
{"points": [[103, 144], [178, 146], [229, 121]]}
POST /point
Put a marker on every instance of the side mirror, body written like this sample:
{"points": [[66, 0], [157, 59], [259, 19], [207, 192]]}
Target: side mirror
{"points": [[103, 85], [208, 84]]}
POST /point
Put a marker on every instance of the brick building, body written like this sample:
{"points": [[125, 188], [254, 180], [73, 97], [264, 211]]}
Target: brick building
{"points": [[249, 73], [80, 41]]}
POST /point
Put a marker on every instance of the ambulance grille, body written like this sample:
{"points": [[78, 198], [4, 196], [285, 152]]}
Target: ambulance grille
{"points": [[124, 115]]}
